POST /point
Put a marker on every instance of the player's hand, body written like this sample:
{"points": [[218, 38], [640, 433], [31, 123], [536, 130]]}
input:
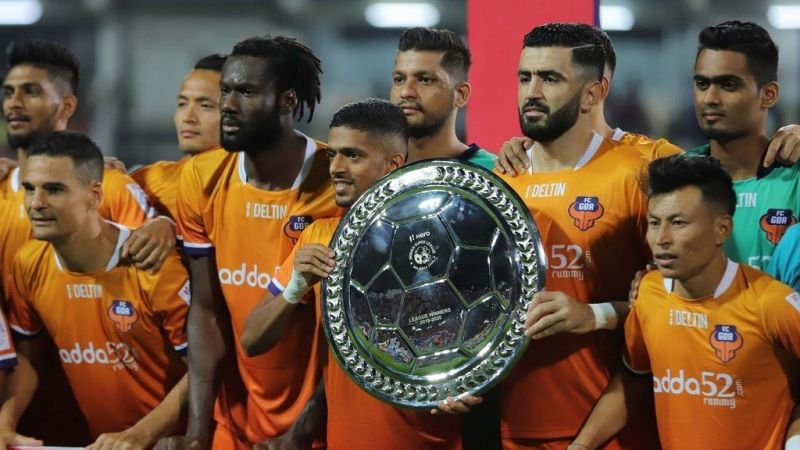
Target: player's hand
{"points": [[10, 438], [288, 441], [149, 245], [314, 262], [111, 162], [130, 439], [458, 405], [513, 156], [179, 443], [6, 166], [784, 147], [553, 312], [637, 280]]}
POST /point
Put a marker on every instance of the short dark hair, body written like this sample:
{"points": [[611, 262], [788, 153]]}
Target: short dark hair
{"points": [[588, 50], [747, 38], [293, 65], [610, 55], [372, 115], [78, 147], [456, 59], [665, 175], [214, 62], [57, 59]]}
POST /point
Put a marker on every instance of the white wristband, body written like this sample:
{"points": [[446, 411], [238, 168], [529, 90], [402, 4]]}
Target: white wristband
{"points": [[793, 443], [296, 288], [605, 316]]}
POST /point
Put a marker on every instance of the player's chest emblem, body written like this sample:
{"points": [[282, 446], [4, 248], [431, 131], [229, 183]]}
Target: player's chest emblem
{"points": [[123, 315], [775, 223], [726, 341], [585, 211], [295, 225]]}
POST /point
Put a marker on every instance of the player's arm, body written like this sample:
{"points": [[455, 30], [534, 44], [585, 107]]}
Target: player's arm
{"points": [[149, 245], [784, 147], [163, 419], [553, 312], [621, 399], [18, 390], [310, 423], [268, 320]]}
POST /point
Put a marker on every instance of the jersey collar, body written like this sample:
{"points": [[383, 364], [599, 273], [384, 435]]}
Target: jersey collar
{"points": [[124, 233], [311, 149], [15, 179], [724, 283], [591, 150]]}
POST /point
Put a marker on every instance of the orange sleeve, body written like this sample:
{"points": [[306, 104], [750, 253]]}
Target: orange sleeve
{"points": [[170, 295], [781, 316], [191, 228], [636, 358], [637, 202], [663, 148], [284, 274], [124, 201], [24, 318]]}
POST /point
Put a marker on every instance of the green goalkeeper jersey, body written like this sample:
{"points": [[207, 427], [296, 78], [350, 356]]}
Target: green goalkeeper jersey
{"points": [[766, 206]]}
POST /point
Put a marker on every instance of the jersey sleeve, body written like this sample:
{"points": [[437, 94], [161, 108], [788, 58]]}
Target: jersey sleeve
{"points": [[25, 321], [784, 264], [635, 357], [170, 294], [124, 201], [781, 316], [663, 148], [192, 231]]}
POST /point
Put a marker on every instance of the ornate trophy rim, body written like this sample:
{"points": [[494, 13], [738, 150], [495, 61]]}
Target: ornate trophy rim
{"points": [[508, 348]]}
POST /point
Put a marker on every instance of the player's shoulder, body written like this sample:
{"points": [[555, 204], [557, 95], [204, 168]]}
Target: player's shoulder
{"points": [[763, 285], [652, 288], [320, 231], [651, 148], [158, 168], [32, 254], [210, 166], [171, 272]]}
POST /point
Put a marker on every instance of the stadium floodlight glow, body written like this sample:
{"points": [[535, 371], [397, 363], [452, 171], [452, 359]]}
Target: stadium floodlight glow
{"points": [[20, 12], [616, 18], [784, 17], [401, 15]]}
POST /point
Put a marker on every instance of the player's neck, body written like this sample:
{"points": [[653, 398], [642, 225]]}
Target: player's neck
{"points": [[89, 249], [741, 157], [22, 156], [599, 123], [705, 283], [276, 168], [442, 144], [565, 151]]}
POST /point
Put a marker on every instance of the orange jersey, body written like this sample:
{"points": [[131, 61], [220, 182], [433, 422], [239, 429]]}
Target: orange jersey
{"points": [[356, 420], [723, 366], [250, 232], [118, 330], [124, 202], [592, 221], [650, 149], [160, 182]]}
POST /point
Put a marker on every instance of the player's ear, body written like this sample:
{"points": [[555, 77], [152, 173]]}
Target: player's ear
{"points": [[723, 229], [462, 92], [69, 103], [593, 93], [288, 101], [95, 194], [769, 94]]}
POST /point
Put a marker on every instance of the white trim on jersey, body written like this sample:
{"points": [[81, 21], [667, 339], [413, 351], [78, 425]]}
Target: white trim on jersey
{"points": [[193, 245], [15, 179], [23, 331], [617, 135], [727, 280], [181, 347], [124, 232], [308, 160], [591, 150]]}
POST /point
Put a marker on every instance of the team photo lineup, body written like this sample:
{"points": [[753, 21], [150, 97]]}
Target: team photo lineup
{"points": [[180, 304]]}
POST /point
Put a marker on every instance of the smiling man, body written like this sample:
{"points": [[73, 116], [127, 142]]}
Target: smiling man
{"points": [[717, 342]]}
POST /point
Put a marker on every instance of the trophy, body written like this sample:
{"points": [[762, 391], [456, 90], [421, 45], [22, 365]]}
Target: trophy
{"points": [[436, 265]]}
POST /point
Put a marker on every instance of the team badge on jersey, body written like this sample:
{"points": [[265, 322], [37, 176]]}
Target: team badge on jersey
{"points": [[585, 211], [295, 226], [123, 314], [725, 341], [775, 223]]}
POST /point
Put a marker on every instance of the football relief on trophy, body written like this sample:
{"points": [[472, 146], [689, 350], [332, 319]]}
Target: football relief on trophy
{"points": [[435, 268]]}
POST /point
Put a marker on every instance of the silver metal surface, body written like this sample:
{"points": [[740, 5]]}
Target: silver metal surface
{"points": [[435, 268]]}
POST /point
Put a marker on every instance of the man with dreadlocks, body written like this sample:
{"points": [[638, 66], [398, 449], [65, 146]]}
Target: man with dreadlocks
{"points": [[241, 209]]}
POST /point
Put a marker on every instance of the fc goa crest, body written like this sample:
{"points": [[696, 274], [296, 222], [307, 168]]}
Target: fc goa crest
{"points": [[295, 226], [585, 211], [775, 223], [725, 341], [123, 314]]}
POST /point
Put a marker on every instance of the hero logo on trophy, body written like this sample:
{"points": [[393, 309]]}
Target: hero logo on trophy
{"points": [[435, 268]]}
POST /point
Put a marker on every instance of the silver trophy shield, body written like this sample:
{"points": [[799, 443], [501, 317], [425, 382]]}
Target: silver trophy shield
{"points": [[436, 265]]}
